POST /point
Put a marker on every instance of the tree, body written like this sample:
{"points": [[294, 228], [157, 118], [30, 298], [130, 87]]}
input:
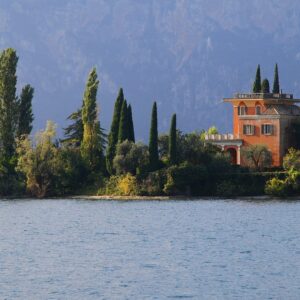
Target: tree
{"points": [[265, 86], [8, 102], [173, 142], [131, 158], [91, 146], [276, 87], [37, 161], [153, 140], [213, 130], [114, 132], [257, 81], [25, 111], [257, 156], [74, 132], [123, 126], [131, 136]]}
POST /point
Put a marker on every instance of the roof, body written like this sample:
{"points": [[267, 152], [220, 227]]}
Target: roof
{"points": [[282, 110]]}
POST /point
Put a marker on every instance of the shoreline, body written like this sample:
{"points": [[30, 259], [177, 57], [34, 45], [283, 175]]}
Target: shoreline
{"points": [[156, 198], [179, 198]]}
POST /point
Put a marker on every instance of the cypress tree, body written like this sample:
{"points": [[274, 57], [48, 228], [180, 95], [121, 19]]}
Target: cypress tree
{"points": [[131, 136], [8, 102], [265, 86], [153, 140], [257, 81], [114, 132], [123, 126], [91, 146], [173, 142], [276, 87], [25, 111]]}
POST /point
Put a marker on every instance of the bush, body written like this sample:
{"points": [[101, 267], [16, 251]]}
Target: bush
{"points": [[125, 185], [153, 184], [277, 187], [226, 188]]}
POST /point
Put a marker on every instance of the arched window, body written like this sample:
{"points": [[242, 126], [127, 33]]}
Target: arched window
{"points": [[258, 109], [242, 110]]}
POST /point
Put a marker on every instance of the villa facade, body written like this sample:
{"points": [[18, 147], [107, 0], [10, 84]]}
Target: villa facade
{"points": [[260, 118]]}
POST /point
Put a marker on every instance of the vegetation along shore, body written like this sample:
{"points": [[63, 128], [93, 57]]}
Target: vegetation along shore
{"points": [[91, 161]]}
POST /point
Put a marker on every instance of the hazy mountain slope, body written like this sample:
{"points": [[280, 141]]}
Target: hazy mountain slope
{"points": [[187, 55]]}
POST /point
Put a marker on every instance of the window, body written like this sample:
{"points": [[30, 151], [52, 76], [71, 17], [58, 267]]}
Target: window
{"points": [[248, 129], [258, 110], [267, 129], [242, 110]]}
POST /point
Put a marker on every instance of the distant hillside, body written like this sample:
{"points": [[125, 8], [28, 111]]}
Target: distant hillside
{"points": [[187, 55]]}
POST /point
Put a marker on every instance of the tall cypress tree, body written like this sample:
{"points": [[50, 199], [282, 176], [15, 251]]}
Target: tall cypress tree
{"points": [[265, 86], [131, 136], [114, 132], [91, 146], [173, 141], [8, 102], [257, 81], [25, 111], [153, 140], [276, 87], [123, 126]]}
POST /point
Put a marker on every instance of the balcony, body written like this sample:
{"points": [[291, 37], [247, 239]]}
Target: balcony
{"points": [[263, 96], [219, 137]]}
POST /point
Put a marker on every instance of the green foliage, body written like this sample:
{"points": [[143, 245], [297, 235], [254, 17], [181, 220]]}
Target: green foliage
{"points": [[71, 174], [257, 82], [257, 157], [153, 141], [185, 179], [25, 111], [131, 158], [92, 144], [153, 183], [114, 132], [190, 148], [265, 86], [277, 187], [37, 161], [173, 142], [8, 102], [10, 182], [74, 132], [212, 130], [131, 136], [291, 161], [276, 86], [226, 189], [123, 126]]}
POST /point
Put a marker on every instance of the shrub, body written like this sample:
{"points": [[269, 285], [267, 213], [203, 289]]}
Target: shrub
{"points": [[277, 187], [153, 183], [125, 185], [226, 188]]}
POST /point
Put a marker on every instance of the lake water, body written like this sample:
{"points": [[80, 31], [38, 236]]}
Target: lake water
{"points": [[80, 249]]}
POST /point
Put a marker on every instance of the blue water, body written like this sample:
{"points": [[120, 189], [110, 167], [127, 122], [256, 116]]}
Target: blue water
{"points": [[73, 249]]}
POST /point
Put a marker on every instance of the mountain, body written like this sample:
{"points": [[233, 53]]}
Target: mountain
{"points": [[185, 54]]}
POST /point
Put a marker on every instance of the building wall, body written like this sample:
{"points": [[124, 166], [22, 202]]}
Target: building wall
{"points": [[278, 142], [271, 141]]}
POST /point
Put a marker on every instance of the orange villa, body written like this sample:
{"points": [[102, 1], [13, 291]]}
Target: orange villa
{"points": [[260, 118]]}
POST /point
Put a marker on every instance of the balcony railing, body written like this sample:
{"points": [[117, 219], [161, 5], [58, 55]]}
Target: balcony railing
{"points": [[219, 137], [263, 96]]}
